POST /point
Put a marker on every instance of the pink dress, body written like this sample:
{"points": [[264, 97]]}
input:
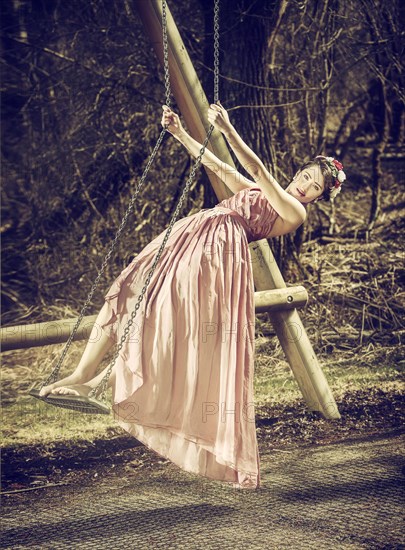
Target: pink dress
{"points": [[184, 377]]}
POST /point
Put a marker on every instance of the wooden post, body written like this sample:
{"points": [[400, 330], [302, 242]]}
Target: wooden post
{"points": [[193, 105], [56, 332]]}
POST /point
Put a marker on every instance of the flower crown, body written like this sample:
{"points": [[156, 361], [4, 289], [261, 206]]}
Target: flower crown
{"points": [[336, 168]]}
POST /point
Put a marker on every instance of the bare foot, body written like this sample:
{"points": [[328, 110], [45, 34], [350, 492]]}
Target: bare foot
{"points": [[68, 381], [74, 389], [47, 389]]}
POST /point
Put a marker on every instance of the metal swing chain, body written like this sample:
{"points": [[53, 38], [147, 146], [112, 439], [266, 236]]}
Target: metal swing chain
{"points": [[54, 374], [166, 54], [102, 386], [216, 51]]}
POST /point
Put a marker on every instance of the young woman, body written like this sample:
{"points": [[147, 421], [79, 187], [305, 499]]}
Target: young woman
{"points": [[183, 381]]}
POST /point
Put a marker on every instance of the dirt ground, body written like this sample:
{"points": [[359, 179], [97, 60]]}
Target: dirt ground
{"points": [[345, 494], [363, 413]]}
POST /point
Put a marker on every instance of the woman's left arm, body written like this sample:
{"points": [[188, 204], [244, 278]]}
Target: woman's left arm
{"points": [[289, 209]]}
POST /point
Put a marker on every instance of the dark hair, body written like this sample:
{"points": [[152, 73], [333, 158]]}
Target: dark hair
{"points": [[329, 180]]}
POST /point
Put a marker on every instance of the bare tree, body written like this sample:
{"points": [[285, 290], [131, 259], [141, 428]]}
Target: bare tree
{"points": [[82, 94]]}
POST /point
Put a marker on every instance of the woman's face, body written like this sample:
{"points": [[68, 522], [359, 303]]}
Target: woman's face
{"points": [[307, 185]]}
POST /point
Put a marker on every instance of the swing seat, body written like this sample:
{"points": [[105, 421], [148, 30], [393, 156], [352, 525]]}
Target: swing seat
{"points": [[78, 403]]}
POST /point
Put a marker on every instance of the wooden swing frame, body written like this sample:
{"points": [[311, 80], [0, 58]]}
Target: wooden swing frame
{"points": [[193, 105]]}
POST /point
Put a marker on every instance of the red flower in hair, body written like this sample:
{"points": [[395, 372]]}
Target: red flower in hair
{"points": [[338, 164], [339, 176]]}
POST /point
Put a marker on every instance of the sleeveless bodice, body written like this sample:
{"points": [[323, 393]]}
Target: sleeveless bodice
{"points": [[252, 209]]}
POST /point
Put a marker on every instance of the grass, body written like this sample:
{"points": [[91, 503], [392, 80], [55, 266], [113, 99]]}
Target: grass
{"points": [[344, 371], [28, 421]]}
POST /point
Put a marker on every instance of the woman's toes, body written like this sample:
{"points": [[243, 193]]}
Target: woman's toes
{"points": [[67, 391], [56, 391]]}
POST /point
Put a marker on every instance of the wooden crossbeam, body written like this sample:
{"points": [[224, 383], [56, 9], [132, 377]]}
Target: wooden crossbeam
{"points": [[280, 299], [57, 332]]}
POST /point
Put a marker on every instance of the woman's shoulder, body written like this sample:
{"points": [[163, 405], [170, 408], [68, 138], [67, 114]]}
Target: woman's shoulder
{"points": [[277, 195], [290, 212]]}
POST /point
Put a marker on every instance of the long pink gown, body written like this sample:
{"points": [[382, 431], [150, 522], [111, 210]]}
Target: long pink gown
{"points": [[184, 377]]}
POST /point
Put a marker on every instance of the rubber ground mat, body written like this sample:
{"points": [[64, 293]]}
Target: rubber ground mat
{"points": [[343, 495]]}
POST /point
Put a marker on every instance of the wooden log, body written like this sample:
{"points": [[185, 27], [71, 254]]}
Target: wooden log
{"points": [[280, 299], [43, 334], [57, 332]]}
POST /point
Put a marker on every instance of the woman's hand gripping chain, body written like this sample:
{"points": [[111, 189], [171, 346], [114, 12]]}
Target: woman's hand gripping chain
{"points": [[171, 121], [218, 117]]}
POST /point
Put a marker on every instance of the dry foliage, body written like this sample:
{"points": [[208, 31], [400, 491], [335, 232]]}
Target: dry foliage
{"points": [[81, 110]]}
